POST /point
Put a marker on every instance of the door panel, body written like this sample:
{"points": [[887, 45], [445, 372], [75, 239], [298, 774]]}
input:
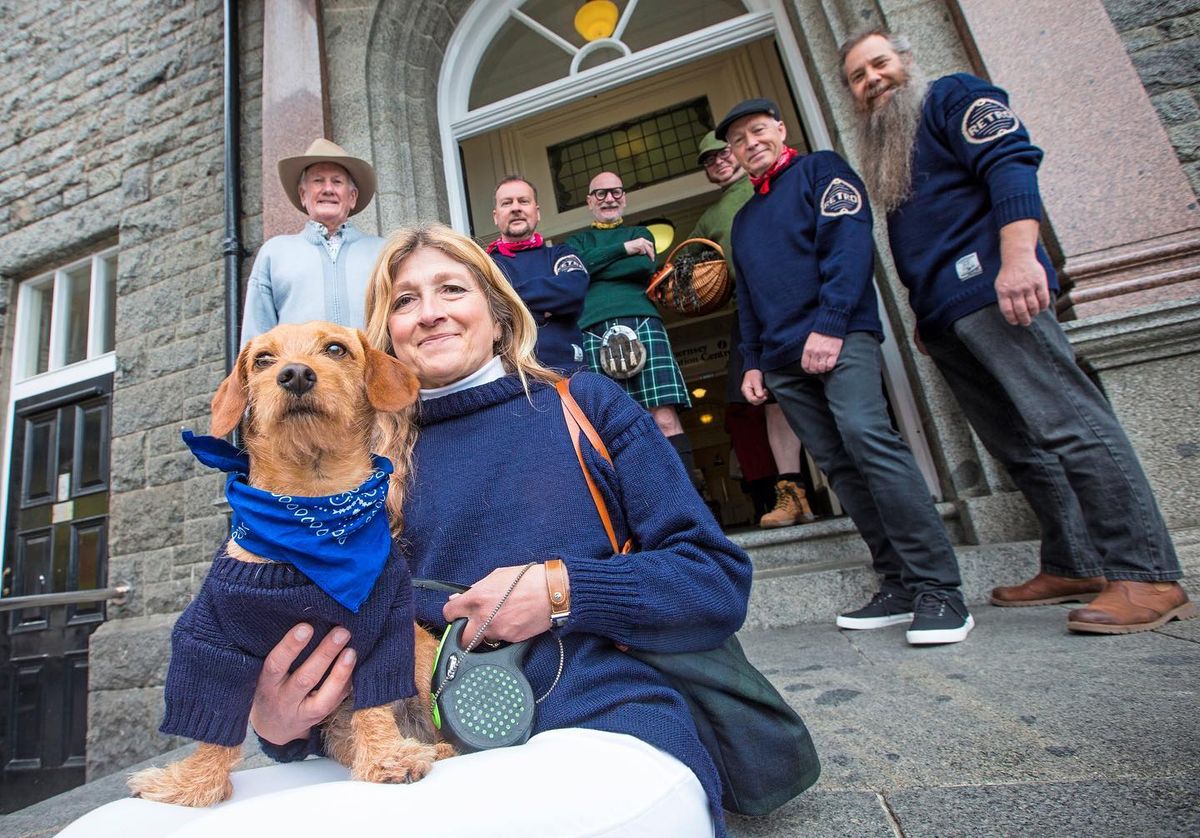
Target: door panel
{"points": [[57, 539]]}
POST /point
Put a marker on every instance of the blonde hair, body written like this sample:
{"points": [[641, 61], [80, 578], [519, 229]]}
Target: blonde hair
{"points": [[396, 433]]}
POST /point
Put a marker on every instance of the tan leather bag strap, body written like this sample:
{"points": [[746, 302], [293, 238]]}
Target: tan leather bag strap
{"points": [[578, 422]]}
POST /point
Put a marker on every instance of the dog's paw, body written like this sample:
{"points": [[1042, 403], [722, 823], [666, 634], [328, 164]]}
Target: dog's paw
{"points": [[406, 763], [173, 785], [445, 750]]}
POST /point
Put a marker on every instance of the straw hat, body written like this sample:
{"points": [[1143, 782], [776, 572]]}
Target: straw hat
{"points": [[324, 151]]}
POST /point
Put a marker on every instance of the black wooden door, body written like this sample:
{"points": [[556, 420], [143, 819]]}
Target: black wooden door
{"points": [[56, 541]]}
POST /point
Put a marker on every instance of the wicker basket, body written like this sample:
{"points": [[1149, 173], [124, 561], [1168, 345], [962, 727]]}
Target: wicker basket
{"points": [[706, 290]]}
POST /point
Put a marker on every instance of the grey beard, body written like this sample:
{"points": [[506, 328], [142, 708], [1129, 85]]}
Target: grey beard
{"points": [[885, 141]]}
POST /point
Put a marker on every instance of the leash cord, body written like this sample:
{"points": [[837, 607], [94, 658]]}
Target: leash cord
{"points": [[486, 623]]}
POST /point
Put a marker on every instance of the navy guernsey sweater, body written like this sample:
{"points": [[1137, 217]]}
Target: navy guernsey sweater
{"points": [[974, 171], [244, 608], [804, 256], [495, 483], [552, 282]]}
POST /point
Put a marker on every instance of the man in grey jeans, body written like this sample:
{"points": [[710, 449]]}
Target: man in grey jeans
{"points": [[954, 169]]}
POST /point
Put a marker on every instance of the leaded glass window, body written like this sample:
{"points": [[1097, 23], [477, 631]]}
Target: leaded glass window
{"points": [[643, 151]]}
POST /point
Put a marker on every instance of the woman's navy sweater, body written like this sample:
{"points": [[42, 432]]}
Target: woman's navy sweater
{"points": [[804, 256], [974, 171], [496, 483]]}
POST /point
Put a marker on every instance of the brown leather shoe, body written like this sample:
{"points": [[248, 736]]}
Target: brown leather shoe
{"points": [[1047, 589], [1126, 607]]}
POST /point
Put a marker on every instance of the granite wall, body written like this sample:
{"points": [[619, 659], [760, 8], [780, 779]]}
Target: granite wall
{"points": [[112, 134], [1163, 40]]}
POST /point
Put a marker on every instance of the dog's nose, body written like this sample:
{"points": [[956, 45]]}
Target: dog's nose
{"points": [[297, 379]]}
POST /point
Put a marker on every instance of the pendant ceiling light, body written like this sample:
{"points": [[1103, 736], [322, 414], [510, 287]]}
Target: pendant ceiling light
{"points": [[596, 19], [663, 231]]}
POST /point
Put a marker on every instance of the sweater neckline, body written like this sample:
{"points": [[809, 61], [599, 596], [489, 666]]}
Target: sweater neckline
{"points": [[473, 399]]}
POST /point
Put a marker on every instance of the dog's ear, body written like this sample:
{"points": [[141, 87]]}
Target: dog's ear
{"points": [[390, 384], [229, 403]]}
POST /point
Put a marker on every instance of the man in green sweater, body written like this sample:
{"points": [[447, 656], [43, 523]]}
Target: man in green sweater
{"points": [[791, 500], [623, 336]]}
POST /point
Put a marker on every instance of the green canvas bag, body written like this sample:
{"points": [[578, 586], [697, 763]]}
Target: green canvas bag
{"points": [[760, 745]]}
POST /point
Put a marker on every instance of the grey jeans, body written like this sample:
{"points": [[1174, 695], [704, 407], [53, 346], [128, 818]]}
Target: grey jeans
{"points": [[1053, 430], [842, 418]]}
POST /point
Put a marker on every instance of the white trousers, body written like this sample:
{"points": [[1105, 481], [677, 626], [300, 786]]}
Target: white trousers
{"points": [[561, 784]]}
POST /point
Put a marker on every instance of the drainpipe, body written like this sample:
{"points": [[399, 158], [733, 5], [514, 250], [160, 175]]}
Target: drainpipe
{"points": [[231, 246]]}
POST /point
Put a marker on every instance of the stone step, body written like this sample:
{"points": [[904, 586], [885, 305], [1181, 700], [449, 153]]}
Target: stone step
{"points": [[830, 539], [812, 576], [815, 592]]}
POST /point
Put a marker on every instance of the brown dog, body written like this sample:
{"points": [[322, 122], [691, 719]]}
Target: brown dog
{"points": [[312, 392]]}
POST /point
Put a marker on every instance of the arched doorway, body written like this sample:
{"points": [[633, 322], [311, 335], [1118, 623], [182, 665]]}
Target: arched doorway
{"points": [[519, 87]]}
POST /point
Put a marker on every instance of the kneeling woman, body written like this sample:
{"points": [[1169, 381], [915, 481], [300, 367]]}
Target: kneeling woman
{"points": [[493, 482]]}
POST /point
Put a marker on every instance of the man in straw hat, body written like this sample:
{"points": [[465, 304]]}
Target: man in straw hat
{"points": [[321, 272], [804, 251], [752, 428]]}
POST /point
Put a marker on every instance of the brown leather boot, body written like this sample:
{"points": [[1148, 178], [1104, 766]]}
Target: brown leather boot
{"points": [[1126, 607], [791, 506], [1047, 589]]}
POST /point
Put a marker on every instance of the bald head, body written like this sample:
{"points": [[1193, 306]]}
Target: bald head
{"points": [[606, 197]]}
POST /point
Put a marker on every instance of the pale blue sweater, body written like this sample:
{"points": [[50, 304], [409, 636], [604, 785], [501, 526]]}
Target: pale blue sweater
{"points": [[293, 281]]}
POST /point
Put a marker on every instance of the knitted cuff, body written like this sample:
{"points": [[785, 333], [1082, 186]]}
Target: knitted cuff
{"points": [[831, 322], [751, 359], [203, 718], [295, 750], [605, 596], [209, 691], [1018, 208], [377, 688]]}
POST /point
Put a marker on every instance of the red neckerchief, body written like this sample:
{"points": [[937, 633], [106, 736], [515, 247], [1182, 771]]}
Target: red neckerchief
{"points": [[762, 183], [512, 248]]}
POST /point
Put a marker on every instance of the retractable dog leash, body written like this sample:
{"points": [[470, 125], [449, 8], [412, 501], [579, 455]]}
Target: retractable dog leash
{"points": [[482, 699]]}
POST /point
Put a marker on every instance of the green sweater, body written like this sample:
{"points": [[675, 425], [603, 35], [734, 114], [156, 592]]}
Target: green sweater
{"points": [[618, 280], [717, 220]]}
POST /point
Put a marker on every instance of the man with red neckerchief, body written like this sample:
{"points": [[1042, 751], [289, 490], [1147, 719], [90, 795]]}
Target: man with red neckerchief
{"points": [[804, 253], [550, 279]]}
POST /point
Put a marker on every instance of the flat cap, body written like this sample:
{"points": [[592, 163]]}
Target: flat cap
{"points": [[708, 144], [746, 108]]}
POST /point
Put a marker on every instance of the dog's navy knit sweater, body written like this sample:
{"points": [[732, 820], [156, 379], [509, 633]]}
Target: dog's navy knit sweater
{"points": [[245, 608], [974, 171], [804, 254], [496, 483]]}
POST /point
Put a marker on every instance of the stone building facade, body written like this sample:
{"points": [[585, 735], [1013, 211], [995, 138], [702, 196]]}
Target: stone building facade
{"points": [[112, 142]]}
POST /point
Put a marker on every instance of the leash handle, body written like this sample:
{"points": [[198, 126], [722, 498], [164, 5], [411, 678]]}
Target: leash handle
{"points": [[577, 422], [438, 585]]}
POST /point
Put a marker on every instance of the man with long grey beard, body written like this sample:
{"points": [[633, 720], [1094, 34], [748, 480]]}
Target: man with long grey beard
{"points": [[953, 168]]}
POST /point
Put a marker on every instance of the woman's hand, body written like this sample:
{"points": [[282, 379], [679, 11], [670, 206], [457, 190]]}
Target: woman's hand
{"points": [[525, 613], [285, 705]]}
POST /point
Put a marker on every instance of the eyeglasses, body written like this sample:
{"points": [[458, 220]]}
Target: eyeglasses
{"points": [[615, 193], [724, 155]]}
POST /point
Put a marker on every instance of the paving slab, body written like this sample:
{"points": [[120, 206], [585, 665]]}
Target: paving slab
{"points": [[1021, 704], [820, 812], [1160, 808], [1023, 729]]}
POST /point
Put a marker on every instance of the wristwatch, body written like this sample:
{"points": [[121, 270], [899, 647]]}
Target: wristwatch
{"points": [[559, 589]]}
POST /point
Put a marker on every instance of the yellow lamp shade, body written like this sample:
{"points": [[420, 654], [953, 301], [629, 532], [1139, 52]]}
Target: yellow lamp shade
{"points": [[596, 19], [663, 231]]}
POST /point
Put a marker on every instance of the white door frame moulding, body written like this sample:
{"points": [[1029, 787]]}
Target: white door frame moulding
{"points": [[483, 20], [763, 18]]}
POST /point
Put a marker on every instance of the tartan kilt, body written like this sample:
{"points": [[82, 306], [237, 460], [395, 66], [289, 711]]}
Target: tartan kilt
{"points": [[660, 381]]}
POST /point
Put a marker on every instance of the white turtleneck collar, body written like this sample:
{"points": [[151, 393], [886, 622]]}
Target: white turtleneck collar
{"points": [[489, 372]]}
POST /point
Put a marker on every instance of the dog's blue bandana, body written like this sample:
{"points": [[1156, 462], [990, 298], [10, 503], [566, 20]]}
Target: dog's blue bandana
{"points": [[341, 542]]}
